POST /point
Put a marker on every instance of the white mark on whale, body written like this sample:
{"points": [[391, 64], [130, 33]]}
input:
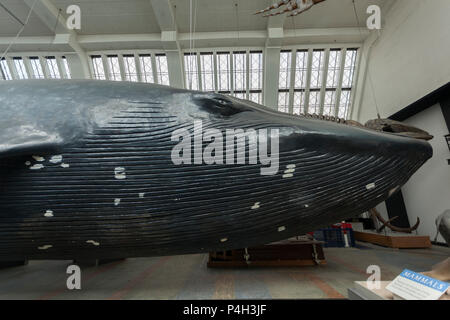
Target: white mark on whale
{"points": [[370, 186], [38, 158], [224, 240], [116, 202], [37, 167], [289, 172], [306, 206], [141, 195], [256, 205], [47, 246], [119, 173], [65, 165], [281, 229], [48, 214], [56, 159], [95, 243]]}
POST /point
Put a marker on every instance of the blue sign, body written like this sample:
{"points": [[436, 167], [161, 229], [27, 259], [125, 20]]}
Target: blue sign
{"points": [[426, 281]]}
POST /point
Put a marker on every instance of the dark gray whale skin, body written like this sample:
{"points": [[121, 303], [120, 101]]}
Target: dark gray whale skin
{"points": [[67, 207]]}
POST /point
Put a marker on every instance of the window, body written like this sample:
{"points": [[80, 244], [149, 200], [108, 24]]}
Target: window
{"points": [[284, 80], [99, 71], [283, 101], [191, 67], [317, 68], [310, 89], [334, 67], [299, 102], [36, 68], [20, 68], [114, 68], [344, 103], [52, 67], [207, 71], [256, 76], [285, 69], [301, 72], [347, 82], [223, 72], [314, 101], [129, 64], [6, 74], [146, 68], [240, 74], [162, 69], [349, 68]]}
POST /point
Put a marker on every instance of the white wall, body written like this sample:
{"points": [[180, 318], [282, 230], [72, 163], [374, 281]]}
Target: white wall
{"points": [[427, 194], [410, 59]]}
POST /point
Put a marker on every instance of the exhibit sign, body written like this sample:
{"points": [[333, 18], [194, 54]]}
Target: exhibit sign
{"points": [[411, 285]]}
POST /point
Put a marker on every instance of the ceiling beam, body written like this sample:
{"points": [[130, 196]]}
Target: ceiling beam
{"points": [[51, 16], [275, 31], [165, 16], [298, 36]]}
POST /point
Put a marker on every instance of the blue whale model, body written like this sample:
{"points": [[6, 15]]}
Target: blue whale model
{"points": [[87, 170]]}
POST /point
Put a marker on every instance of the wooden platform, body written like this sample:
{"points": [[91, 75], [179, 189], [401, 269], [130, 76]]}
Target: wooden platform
{"points": [[391, 240], [289, 253]]}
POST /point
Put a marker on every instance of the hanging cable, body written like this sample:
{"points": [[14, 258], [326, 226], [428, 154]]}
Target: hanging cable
{"points": [[57, 20], [368, 68], [237, 20], [293, 25], [24, 24]]}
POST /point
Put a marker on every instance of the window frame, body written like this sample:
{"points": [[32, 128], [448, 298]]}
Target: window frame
{"points": [[343, 48], [157, 75], [246, 92], [25, 68]]}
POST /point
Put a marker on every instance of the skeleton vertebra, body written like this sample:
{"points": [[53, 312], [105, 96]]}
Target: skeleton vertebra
{"points": [[295, 7]]}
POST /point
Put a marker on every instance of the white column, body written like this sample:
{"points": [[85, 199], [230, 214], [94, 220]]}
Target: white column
{"points": [[271, 77], [176, 74], [76, 66]]}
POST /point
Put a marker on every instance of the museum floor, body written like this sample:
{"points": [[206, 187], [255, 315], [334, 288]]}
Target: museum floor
{"points": [[187, 277]]}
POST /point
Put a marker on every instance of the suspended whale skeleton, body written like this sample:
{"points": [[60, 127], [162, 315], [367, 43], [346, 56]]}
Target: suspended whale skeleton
{"points": [[295, 7]]}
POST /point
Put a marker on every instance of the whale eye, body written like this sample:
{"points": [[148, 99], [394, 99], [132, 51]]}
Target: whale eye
{"points": [[219, 105], [222, 101]]}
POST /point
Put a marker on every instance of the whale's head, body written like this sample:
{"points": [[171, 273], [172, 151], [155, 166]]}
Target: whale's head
{"points": [[341, 166], [298, 131]]}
